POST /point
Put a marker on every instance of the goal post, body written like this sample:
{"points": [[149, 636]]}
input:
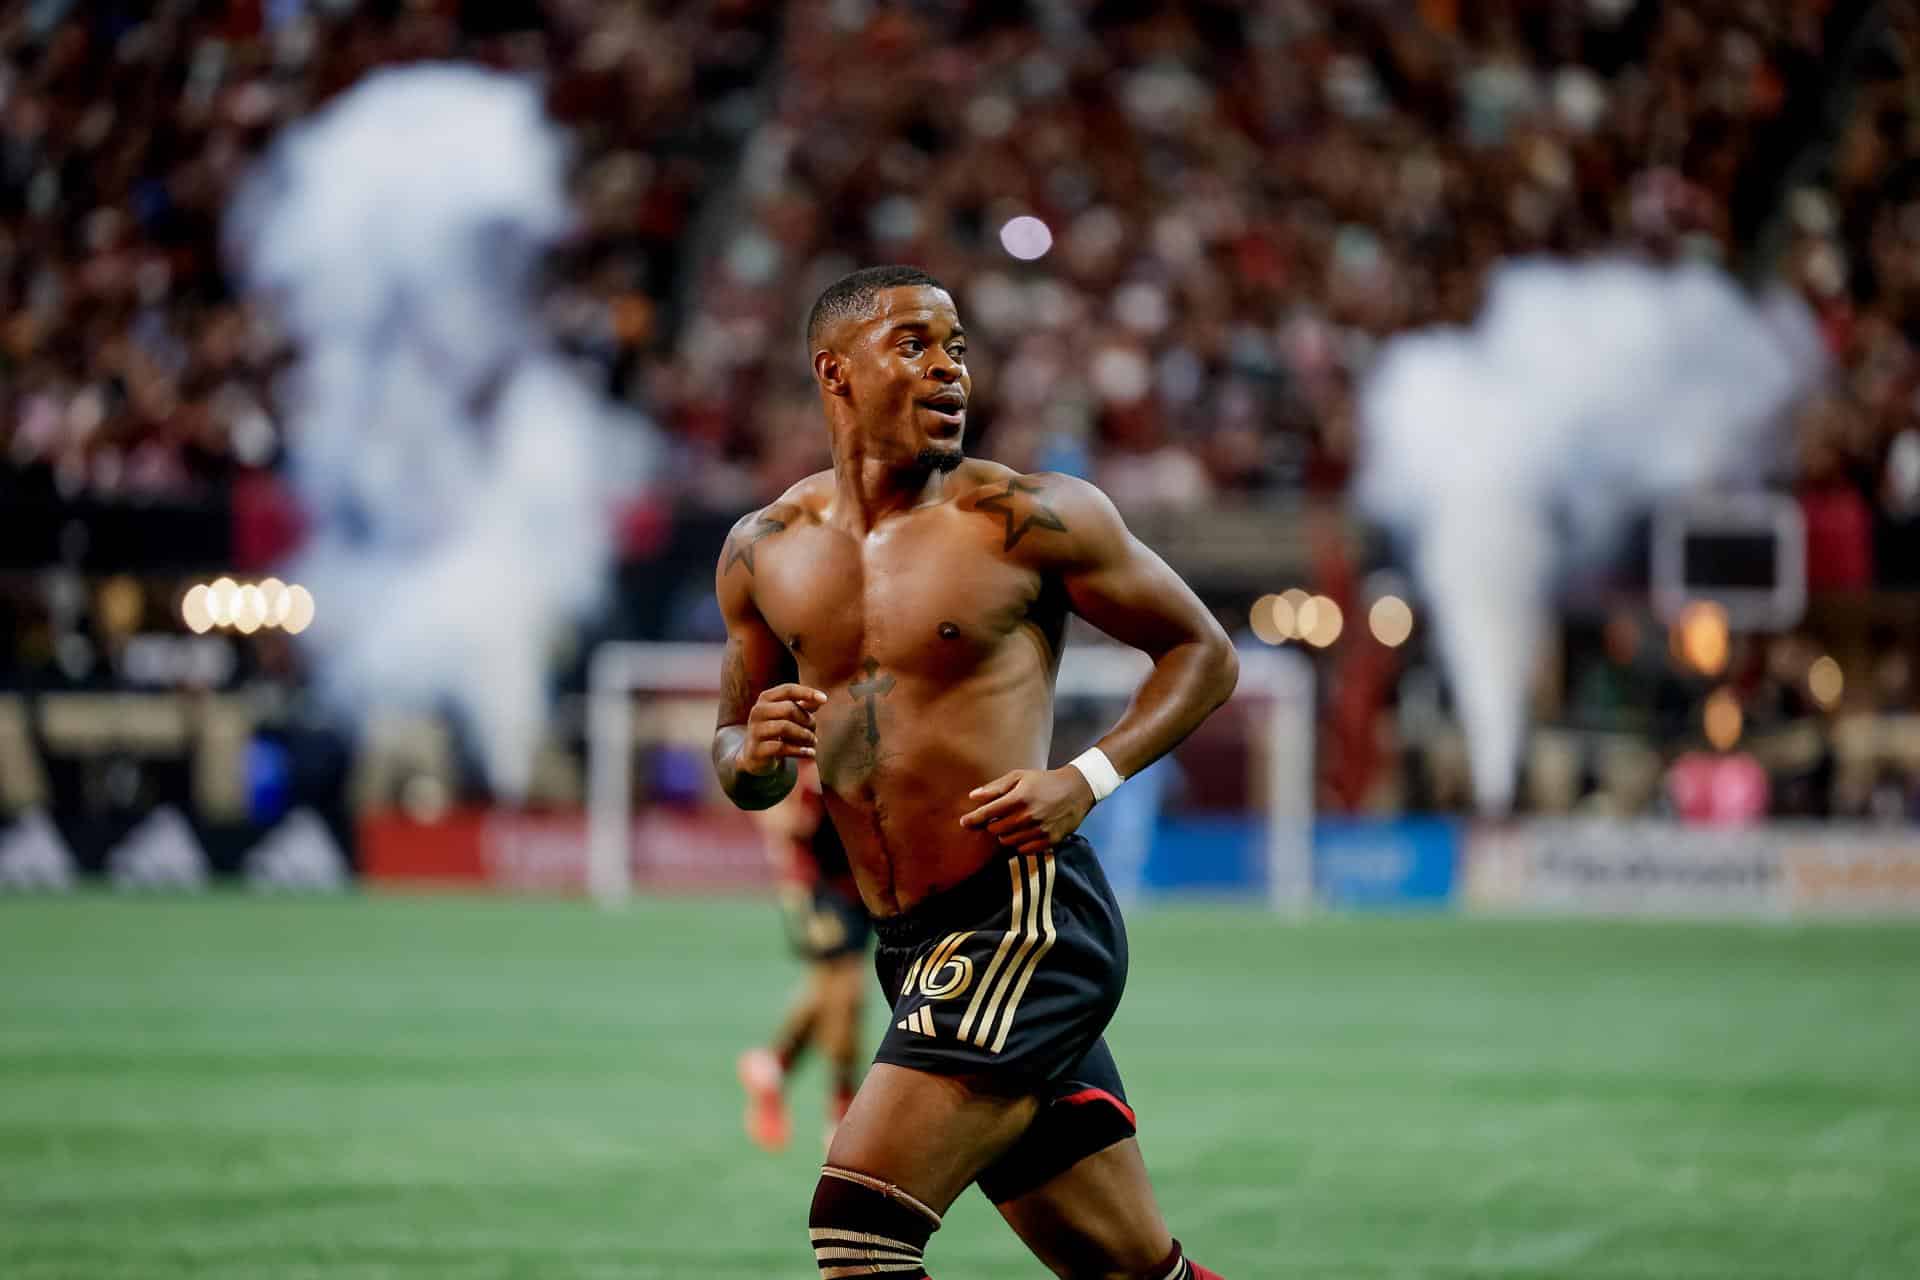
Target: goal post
{"points": [[1280, 680]]}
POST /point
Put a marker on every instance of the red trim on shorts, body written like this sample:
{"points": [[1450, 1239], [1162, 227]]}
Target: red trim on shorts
{"points": [[1099, 1095]]}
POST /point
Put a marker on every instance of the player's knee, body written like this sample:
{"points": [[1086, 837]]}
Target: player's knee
{"points": [[862, 1226]]}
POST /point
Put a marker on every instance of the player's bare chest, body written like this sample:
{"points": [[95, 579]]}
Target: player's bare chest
{"points": [[932, 594]]}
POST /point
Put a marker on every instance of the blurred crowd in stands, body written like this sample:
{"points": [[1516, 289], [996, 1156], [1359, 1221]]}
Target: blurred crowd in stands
{"points": [[130, 368], [1852, 232], [1244, 200]]}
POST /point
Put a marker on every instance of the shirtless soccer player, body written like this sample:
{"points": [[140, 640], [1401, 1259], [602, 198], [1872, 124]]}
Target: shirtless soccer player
{"points": [[921, 598]]}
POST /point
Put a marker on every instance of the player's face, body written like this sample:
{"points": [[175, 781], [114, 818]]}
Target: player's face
{"points": [[908, 370]]}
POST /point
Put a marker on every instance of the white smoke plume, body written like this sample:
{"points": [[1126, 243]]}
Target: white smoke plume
{"points": [[458, 472], [1505, 454]]}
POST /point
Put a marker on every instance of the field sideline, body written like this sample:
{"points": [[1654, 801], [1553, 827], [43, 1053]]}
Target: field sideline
{"points": [[448, 1087]]}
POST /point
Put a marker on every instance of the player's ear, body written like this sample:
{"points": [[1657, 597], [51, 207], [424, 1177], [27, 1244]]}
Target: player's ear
{"points": [[830, 369]]}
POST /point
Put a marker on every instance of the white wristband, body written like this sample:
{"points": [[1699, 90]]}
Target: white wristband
{"points": [[1098, 771]]}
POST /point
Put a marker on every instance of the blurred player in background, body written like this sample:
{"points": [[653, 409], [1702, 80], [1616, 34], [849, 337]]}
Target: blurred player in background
{"points": [[919, 600], [828, 927]]}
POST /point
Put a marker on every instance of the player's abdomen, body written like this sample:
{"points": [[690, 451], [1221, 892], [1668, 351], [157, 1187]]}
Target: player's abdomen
{"points": [[897, 778]]}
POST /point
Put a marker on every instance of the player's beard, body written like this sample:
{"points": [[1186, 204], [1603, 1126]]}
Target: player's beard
{"points": [[940, 460]]}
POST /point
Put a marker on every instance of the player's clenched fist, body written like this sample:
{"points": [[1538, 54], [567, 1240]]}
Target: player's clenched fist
{"points": [[780, 726]]}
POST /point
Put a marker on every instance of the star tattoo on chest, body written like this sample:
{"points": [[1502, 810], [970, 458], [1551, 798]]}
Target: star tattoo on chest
{"points": [[1021, 508]]}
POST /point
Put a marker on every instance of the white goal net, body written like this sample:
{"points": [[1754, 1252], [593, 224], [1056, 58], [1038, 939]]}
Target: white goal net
{"points": [[640, 695]]}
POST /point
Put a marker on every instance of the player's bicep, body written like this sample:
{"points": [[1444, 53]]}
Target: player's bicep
{"points": [[754, 660], [1138, 600], [1123, 587]]}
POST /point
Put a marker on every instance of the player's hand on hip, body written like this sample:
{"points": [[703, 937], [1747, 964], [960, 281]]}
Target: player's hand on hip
{"points": [[780, 727], [1031, 810]]}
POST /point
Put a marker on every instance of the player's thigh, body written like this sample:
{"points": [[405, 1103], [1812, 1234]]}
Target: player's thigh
{"points": [[928, 1135], [844, 978], [850, 984], [841, 984], [1098, 1219]]}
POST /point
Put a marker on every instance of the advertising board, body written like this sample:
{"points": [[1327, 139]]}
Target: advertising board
{"points": [[547, 853], [1360, 863], [1610, 867]]}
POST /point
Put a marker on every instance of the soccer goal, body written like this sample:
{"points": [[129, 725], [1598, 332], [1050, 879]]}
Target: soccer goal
{"points": [[640, 693]]}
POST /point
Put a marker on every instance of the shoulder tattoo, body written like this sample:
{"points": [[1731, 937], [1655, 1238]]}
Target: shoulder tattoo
{"points": [[751, 532], [1019, 505]]}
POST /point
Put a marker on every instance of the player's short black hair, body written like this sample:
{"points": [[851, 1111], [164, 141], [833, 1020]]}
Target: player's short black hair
{"points": [[853, 294]]}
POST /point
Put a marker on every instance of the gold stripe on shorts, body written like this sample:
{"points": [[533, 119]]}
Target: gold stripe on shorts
{"points": [[1033, 966], [1029, 934], [993, 966]]}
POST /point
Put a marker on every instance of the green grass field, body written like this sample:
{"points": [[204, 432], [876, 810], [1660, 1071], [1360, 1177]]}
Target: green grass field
{"points": [[416, 1088]]}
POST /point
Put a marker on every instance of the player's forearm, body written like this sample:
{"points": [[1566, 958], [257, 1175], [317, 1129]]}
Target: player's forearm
{"points": [[1189, 681], [748, 790]]}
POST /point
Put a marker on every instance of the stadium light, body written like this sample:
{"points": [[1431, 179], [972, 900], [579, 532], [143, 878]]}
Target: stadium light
{"points": [[1276, 619], [1722, 719], [249, 610], [1026, 238], [273, 594], [1391, 621], [247, 607], [1700, 637], [1319, 621], [220, 594], [1285, 618], [194, 611], [1261, 619], [300, 611], [1826, 682]]}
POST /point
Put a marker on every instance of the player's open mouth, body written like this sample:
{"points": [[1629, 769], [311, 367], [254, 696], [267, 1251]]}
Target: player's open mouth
{"points": [[952, 411]]}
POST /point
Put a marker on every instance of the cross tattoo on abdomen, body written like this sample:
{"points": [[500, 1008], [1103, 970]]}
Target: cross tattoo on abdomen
{"points": [[872, 689]]}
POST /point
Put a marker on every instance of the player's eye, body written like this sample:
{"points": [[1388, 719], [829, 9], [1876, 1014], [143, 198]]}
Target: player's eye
{"points": [[912, 346], [958, 351]]}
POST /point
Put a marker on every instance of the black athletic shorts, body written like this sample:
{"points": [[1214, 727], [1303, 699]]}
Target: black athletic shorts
{"points": [[1009, 978], [825, 920]]}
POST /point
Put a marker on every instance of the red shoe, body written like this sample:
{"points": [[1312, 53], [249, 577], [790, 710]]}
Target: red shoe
{"points": [[762, 1078]]}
